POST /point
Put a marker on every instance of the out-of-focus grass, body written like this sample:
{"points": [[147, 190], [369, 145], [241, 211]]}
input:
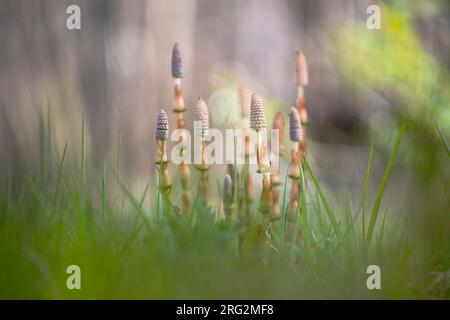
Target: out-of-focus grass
{"points": [[127, 249], [67, 213], [393, 64]]}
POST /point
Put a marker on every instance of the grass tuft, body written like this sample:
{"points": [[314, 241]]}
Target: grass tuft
{"points": [[379, 196]]}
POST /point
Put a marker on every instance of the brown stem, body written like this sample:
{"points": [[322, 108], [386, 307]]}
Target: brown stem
{"points": [[301, 105], [262, 158], [294, 176], [276, 202], [164, 179], [302, 146], [248, 192], [203, 179], [301, 108], [266, 196], [185, 183], [276, 181], [183, 167], [179, 100], [265, 201]]}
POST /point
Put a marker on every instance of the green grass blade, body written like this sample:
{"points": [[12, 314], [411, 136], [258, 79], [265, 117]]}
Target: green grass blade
{"points": [[376, 206], [383, 223], [366, 187], [351, 218], [136, 204], [304, 211], [296, 226], [327, 206]]}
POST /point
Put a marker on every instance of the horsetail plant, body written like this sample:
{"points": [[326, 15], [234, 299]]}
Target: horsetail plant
{"points": [[258, 123], [161, 136], [238, 188], [228, 205], [295, 135], [179, 109], [276, 152], [302, 82], [202, 127], [247, 178]]}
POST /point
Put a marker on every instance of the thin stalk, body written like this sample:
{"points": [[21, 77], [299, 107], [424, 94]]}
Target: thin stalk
{"points": [[366, 187], [235, 180], [294, 176], [164, 180], [276, 152], [248, 183], [203, 179], [327, 206], [376, 206], [180, 109]]}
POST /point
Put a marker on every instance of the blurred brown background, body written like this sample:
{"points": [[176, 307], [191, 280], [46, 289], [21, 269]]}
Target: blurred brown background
{"points": [[116, 71]]}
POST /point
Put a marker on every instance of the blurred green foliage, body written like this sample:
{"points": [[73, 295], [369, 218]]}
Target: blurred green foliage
{"points": [[127, 249], [393, 63]]}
